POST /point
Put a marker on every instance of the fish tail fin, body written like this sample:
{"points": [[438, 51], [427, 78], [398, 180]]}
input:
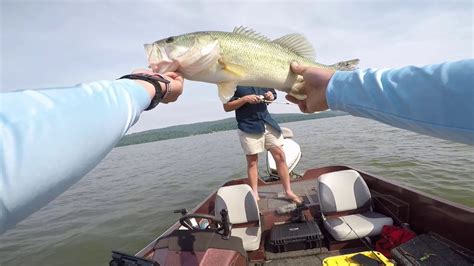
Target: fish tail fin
{"points": [[346, 65]]}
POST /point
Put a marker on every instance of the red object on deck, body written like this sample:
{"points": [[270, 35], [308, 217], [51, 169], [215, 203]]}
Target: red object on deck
{"points": [[391, 237]]}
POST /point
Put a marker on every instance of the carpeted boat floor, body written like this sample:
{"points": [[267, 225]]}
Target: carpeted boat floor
{"points": [[272, 196]]}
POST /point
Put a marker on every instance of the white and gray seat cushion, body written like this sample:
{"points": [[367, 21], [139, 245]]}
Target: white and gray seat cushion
{"points": [[364, 224], [242, 208], [346, 191]]}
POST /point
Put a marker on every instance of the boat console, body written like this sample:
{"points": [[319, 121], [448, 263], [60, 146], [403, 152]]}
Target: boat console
{"points": [[199, 247], [208, 243]]}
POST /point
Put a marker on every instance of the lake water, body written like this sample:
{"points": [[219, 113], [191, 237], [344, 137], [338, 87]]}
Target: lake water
{"points": [[128, 200]]}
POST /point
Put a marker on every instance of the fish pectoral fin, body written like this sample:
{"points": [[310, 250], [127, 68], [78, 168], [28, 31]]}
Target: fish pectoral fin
{"points": [[226, 90], [233, 69]]}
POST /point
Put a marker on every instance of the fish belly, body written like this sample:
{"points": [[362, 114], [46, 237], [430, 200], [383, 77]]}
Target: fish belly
{"points": [[251, 62], [215, 74]]}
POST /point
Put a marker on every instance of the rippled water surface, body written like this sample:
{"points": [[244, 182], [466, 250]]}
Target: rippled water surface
{"points": [[128, 199]]}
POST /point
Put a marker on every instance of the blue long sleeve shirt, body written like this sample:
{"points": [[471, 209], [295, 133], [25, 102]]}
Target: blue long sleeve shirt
{"points": [[50, 138], [436, 100]]}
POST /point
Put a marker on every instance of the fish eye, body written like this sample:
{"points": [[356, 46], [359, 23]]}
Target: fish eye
{"points": [[170, 39]]}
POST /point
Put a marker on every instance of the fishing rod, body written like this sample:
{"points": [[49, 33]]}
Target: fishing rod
{"points": [[364, 242], [286, 103], [262, 99]]}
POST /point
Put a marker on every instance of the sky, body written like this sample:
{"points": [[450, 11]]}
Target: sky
{"points": [[62, 43]]}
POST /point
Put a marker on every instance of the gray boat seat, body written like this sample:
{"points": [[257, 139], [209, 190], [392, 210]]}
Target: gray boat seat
{"points": [[346, 206], [242, 208]]}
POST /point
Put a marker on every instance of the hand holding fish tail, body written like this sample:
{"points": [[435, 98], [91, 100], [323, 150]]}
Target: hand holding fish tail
{"points": [[314, 83]]}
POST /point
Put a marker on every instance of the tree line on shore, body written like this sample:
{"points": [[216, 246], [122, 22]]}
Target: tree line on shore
{"points": [[181, 131]]}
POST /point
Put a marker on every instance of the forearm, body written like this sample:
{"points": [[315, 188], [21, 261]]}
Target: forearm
{"points": [[435, 100], [234, 105], [53, 137]]}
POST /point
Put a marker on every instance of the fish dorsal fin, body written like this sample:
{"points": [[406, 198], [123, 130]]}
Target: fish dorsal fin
{"points": [[250, 33], [298, 44]]}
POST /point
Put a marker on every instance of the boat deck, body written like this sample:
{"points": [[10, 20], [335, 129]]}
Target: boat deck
{"points": [[404, 204], [272, 198], [304, 257]]}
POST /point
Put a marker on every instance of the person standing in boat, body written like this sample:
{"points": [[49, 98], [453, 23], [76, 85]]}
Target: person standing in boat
{"points": [[258, 132]]}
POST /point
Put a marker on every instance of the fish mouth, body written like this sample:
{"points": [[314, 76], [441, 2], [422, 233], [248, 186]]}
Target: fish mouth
{"points": [[158, 59], [151, 53]]}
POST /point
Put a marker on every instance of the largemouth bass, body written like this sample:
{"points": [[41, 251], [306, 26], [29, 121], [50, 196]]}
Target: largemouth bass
{"points": [[242, 57]]}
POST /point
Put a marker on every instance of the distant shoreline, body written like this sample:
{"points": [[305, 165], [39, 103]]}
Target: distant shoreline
{"points": [[182, 131]]}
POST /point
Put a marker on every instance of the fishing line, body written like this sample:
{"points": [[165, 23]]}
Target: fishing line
{"points": [[286, 103]]}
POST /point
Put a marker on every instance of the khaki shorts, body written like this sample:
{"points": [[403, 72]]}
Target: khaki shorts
{"points": [[257, 143]]}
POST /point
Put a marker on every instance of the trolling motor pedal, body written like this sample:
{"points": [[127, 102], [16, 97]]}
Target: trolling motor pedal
{"points": [[294, 208]]}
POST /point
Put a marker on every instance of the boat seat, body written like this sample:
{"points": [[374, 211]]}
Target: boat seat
{"points": [[242, 208], [346, 206]]}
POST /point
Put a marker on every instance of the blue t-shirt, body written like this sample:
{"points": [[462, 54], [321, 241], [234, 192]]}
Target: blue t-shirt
{"points": [[251, 118]]}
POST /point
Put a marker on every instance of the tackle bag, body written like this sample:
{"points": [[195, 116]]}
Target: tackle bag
{"points": [[391, 237]]}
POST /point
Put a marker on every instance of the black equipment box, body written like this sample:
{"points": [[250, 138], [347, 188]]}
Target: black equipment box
{"points": [[122, 259], [296, 236], [426, 249]]}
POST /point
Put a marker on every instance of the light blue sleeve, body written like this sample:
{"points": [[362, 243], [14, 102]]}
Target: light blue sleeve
{"points": [[436, 100], [51, 138]]}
